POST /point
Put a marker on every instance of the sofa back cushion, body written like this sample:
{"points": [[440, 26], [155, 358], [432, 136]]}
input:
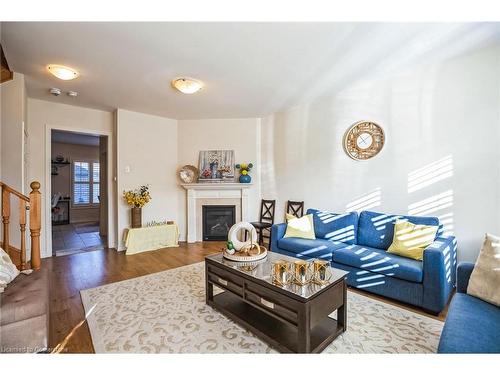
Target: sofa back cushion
{"points": [[335, 227], [377, 230]]}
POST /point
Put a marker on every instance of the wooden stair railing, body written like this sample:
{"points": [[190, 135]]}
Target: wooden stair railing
{"points": [[33, 205]]}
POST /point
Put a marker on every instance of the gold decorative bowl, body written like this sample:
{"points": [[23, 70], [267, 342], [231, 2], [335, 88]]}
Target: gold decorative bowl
{"points": [[248, 253]]}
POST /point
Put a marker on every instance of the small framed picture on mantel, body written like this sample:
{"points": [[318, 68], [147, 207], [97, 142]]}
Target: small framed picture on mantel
{"points": [[216, 166]]}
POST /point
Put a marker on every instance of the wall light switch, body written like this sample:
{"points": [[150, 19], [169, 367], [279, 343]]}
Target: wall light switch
{"points": [[127, 169]]}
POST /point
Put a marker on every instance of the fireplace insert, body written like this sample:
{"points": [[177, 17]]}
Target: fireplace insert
{"points": [[217, 220]]}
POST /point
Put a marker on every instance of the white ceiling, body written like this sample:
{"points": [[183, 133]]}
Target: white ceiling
{"points": [[250, 69], [75, 138]]}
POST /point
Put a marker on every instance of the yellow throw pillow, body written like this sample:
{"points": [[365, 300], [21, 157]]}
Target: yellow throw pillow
{"points": [[301, 227], [410, 239]]}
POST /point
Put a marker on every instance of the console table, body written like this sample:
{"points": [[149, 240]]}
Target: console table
{"points": [[138, 240]]}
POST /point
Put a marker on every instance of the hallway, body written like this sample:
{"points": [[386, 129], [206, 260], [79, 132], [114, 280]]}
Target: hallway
{"points": [[76, 238]]}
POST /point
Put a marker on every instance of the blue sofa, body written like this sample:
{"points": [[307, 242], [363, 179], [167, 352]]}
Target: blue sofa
{"points": [[472, 325], [358, 244]]}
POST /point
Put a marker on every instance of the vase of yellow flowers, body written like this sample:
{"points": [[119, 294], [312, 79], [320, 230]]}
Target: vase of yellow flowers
{"points": [[136, 199]]}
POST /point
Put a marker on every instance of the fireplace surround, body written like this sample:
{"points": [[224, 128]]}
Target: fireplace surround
{"points": [[205, 194]]}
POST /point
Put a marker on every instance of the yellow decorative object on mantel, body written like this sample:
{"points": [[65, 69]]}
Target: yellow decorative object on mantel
{"points": [[138, 240]]}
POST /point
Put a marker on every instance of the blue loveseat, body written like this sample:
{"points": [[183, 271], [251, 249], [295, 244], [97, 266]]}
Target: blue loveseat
{"points": [[472, 325], [358, 244]]}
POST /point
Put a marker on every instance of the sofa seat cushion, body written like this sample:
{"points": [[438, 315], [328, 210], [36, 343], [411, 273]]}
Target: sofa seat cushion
{"points": [[335, 227], [379, 261], [318, 248], [25, 336], [377, 229], [25, 297], [472, 326]]}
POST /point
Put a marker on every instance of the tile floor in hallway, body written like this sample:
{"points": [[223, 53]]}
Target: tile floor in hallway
{"points": [[76, 238]]}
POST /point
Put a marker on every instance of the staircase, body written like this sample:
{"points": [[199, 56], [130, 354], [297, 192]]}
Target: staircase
{"points": [[31, 204]]}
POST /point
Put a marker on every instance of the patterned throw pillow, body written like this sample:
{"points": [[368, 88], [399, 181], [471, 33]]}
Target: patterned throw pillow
{"points": [[8, 270], [484, 281]]}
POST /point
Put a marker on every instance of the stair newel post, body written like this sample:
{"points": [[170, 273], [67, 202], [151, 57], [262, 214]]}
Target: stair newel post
{"points": [[35, 224], [22, 226], [6, 219]]}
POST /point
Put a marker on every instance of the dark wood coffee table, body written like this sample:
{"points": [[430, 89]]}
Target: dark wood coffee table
{"points": [[291, 319]]}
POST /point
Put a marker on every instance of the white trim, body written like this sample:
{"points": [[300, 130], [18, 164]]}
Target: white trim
{"points": [[47, 249]]}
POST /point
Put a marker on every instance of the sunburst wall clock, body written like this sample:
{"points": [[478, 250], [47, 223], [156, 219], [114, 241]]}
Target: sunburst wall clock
{"points": [[364, 140]]}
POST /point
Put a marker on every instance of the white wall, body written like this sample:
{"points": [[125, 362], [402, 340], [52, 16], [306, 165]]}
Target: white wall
{"points": [[147, 146], [43, 115], [447, 112], [13, 121], [13, 99], [240, 135]]}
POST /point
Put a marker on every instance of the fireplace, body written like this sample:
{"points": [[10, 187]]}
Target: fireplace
{"points": [[217, 220]]}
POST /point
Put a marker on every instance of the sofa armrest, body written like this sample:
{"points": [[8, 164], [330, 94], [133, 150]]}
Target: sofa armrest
{"points": [[464, 270], [439, 272], [277, 232]]}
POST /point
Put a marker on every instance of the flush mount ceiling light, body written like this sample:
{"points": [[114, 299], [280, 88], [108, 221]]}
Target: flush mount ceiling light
{"points": [[62, 72], [187, 85]]}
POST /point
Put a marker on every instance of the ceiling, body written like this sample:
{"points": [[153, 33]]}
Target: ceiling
{"points": [[60, 136], [250, 69]]}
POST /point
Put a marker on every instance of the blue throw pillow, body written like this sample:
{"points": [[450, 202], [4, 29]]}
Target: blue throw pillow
{"points": [[335, 227]]}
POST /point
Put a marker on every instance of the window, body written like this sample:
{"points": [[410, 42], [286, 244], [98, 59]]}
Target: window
{"points": [[85, 182]]}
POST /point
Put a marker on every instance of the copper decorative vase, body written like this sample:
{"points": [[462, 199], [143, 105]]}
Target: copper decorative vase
{"points": [[136, 213]]}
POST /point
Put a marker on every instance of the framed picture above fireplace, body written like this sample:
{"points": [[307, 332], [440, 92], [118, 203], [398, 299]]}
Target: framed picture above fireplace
{"points": [[216, 165]]}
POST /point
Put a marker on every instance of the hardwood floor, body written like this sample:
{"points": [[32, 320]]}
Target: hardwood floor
{"points": [[72, 273]]}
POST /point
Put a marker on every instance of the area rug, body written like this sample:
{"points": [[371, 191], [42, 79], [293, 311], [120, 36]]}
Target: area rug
{"points": [[165, 312]]}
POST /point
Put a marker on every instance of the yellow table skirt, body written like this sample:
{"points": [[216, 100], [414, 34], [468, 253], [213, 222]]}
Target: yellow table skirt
{"points": [[138, 240]]}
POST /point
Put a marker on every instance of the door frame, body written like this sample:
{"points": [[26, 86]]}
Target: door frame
{"points": [[47, 250]]}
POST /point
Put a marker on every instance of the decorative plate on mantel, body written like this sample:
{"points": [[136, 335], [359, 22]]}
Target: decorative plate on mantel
{"points": [[188, 174]]}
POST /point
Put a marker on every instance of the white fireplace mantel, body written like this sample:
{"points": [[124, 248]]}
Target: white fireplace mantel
{"points": [[216, 186], [215, 193]]}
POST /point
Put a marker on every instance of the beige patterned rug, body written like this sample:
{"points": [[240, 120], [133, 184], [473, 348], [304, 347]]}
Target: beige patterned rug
{"points": [[165, 312]]}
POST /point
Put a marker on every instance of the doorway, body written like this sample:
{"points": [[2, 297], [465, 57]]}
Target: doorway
{"points": [[79, 192]]}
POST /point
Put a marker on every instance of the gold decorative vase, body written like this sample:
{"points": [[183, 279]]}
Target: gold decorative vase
{"points": [[301, 272], [281, 272], [321, 271]]}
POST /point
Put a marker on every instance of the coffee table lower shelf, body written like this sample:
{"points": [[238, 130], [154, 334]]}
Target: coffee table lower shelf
{"points": [[278, 334]]}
